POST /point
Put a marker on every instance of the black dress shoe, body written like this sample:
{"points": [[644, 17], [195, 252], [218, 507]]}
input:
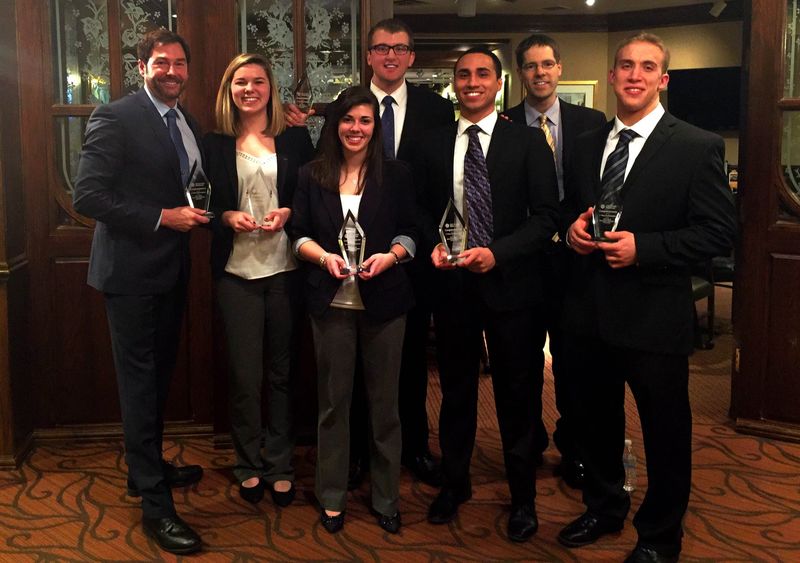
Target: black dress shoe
{"points": [[390, 523], [175, 477], [332, 524], [172, 534], [444, 508], [425, 468], [644, 554], [522, 523], [572, 471], [252, 495], [282, 498], [585, 530], [355, 476]]}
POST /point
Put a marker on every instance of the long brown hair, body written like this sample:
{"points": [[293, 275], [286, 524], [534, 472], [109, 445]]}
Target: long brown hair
{"points": [[326, 167], [226, 114]]}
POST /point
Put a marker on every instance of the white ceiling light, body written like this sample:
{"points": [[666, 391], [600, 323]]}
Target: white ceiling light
{"points": [[590, 3]]}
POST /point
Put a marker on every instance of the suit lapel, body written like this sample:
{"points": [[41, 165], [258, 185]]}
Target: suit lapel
{"points": [[283, 163], [597, 157], [449, 145], [370, 203], [409, 123], [652, 146], [567, 128], [496, 145], [333, 204]]}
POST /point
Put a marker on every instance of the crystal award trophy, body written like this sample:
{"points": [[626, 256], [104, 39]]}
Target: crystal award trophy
{"points": [[198, 191], [606, 214], [302, 93], [453, 232], [352, 243]]}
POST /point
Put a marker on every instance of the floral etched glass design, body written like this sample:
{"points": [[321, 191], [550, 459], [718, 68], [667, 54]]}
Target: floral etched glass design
{"points": [[267, 28], [137, 17], [790, 147], [80, 51], [332, 46], [790, 153]]}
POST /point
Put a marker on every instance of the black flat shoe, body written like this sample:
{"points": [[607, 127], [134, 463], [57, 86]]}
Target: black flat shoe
{"points": [[522, 523], [585, 530], [390, 523], [282, 498], [644, 554], [253, 495], [175, 477], [444, 508], [332, 524], [172, 534]]}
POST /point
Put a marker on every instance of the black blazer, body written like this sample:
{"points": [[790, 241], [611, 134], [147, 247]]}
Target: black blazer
{"points": [[425, 110], [677, 203], [293, 147], [128, 172], [386, 211], [524, 206], [574, 121]]}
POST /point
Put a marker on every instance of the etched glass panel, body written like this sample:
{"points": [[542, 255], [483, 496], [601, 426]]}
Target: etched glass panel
{"points": [[137, 17], [332, 46], [69, 131], [266, 27], [80, 52], [790, 153], [792, 51]]}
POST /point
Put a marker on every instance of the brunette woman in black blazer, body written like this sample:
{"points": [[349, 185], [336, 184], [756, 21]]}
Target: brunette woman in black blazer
{"points": [[252, 163], [357, 316]]}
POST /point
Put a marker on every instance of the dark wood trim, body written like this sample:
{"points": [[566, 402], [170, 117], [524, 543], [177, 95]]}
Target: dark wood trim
{"points": [[769, 429], [69, 110], [10, 461], [115, 70], [521, 23], [114, 431]]}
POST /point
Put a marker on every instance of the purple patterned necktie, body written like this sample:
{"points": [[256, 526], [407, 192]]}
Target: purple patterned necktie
{"points": [[477, 192]]}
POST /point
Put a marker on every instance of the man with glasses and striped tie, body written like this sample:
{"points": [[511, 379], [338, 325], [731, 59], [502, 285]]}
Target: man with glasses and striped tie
{"points": [[539, 68], [628, 311]]}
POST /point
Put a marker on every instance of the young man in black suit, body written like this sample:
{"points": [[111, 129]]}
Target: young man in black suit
{"points": [[407, 112], [133, 168], [628, 311], [539, 68], [503, 179]]}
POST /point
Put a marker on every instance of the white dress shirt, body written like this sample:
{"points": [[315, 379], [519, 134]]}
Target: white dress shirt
{"points": [[644, 127]]}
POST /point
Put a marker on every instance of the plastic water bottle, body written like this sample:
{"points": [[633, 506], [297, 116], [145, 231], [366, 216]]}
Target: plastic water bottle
{"points": [[629, 462]]}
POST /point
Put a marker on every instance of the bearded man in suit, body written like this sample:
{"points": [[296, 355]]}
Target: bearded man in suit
{"points": [[628, 313], [538, 59], [136, 160]]}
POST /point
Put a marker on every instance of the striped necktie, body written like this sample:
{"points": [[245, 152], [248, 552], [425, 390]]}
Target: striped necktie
{"points": [[477, 192], [617, 161], [548, 135]]}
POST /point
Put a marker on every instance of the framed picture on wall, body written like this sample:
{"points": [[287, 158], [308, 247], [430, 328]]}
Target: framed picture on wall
{"points": [[578, 92]]}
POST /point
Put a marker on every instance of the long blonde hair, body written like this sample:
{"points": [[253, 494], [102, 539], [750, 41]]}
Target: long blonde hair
{"points": [[226, 114]]}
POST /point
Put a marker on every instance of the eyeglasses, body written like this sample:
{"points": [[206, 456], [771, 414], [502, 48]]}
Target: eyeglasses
{"points": [[544, 65], [383, 49]]}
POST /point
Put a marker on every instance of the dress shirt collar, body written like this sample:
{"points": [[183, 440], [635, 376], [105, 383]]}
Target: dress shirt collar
{"points": [[400, 95], [532, 114], [486, 124], [161, 107], [644, 127]]}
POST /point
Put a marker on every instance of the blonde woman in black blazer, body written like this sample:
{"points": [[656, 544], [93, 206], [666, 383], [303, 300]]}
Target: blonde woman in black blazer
{"points": [[360, 316], [252, 164]]}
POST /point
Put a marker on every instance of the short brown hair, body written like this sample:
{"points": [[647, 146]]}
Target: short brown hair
{"points": [[226, 114], [160, 36], [536, 40], [645, 37], [392, 25]]}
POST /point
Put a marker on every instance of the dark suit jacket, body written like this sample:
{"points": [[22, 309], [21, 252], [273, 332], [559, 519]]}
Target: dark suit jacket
{"points": [[425, 110], [386, 211], [574, 121], [524, 207], [293, 147], [128, 172], [677, 203]]}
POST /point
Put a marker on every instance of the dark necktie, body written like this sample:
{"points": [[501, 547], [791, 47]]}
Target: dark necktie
{"points": [[477, 192], [177, 140], [387, 124], [617, 161]]}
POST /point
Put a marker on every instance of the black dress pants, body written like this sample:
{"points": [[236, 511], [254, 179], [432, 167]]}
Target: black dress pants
{"points": [[660, 386], [460, 321], [145, 331]]}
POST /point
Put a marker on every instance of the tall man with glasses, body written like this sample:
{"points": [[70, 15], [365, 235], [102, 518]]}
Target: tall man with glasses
{"points": [[134, 164], [539, 68], [628, 311], [407, 113]]}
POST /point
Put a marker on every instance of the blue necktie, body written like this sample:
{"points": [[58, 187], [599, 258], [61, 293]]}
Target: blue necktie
{"points": [[617, 161], [477, 192], [387, 124], [177, 140]]}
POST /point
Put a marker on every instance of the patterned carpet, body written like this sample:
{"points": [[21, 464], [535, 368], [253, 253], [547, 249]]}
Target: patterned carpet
{"points": [[67, 502]]}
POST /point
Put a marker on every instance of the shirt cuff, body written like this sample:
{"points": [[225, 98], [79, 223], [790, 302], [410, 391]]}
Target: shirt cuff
{"points": [[298, 243], [407, 243], [158, 223]]}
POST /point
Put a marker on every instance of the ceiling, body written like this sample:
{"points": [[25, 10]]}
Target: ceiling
{"points": [[551, 7]]}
